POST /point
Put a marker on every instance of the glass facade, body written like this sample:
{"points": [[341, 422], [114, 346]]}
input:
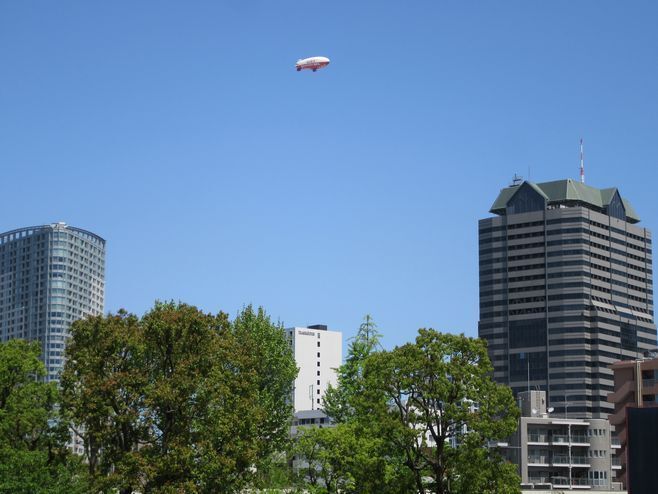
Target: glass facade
{"points": [[50, 276]]}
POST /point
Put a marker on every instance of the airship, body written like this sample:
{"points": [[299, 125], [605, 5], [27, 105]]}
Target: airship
{"points": [[313, 63]]}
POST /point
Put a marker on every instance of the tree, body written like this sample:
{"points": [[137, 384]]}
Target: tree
{"points": [[182, 349], [436, 392], [340, 403], [482, 470], [349, 459], [179, 400], [328, 456], [248, 391], [33, 436], [376, 465], [103, 393]]}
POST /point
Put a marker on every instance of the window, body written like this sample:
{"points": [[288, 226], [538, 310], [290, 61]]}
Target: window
{"points": [[318, 354], [318, 373], [318, 364], [534, 362], [628, 337], [528, 332], [318, 382]]}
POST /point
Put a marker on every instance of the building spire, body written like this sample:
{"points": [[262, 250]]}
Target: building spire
{"points": [[582, 163]]}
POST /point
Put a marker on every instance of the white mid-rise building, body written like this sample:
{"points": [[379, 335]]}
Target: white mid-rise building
{"points": [[560, 453], [318, 353]]}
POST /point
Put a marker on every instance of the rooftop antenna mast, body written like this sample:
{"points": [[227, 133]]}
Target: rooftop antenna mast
{"points": [[582, 163]]}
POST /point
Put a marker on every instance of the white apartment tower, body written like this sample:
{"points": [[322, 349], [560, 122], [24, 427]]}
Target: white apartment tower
{"points": [[318, 354]]}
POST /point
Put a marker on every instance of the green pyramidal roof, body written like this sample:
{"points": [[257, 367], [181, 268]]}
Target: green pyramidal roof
{"points": [[566, 191]]}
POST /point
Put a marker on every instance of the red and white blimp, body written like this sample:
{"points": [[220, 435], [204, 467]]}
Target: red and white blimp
{"points": [[313, 63]]}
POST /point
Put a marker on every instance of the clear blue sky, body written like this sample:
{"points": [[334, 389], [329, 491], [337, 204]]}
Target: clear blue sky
{"points": [[181, 133]]}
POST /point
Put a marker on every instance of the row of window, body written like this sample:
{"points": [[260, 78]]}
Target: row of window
{"points": [[564, 220]]}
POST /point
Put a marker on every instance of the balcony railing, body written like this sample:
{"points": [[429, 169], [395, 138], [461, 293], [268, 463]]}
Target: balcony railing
{"points": [[615, 441], [647, 383], [537, 438], [579, 438], [567, 460], [539, 480], [560, 438], [538, 459], [566, 481], [616, 462]]}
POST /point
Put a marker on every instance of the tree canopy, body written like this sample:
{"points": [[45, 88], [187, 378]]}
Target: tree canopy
{"points": [[179, 400], [418, 417], [441, 406], [183, 401], [33, 455]]}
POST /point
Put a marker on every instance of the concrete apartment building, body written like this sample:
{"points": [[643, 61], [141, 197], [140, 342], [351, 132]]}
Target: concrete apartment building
{"points": [[566, 289], [555, 453], [50, 276], [636, 386], [318, 353]]}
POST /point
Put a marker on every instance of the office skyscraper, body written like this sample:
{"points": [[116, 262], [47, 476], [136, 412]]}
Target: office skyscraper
{"points": [[566, 289], [50, 276]]}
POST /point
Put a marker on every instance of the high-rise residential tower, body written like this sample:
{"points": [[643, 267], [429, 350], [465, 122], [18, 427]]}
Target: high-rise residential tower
{"points": [[50, 276], [318, 354], [566, 289]]}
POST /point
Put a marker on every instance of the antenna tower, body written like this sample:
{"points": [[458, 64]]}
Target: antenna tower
{"points": [[582, 163]]}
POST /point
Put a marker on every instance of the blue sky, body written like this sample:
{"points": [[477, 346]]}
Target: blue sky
{"points": [[181, 133]]}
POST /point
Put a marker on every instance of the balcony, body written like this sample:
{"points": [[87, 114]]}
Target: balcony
{"points": [[580, 439], [537, 439], [615, 443], [616, 462], [580, 461], [560, 439], [586, 483], [534, 460], [573, 461], [540, 481], [560, 481], [576, 482]]}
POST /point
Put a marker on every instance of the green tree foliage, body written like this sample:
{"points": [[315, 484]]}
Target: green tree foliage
{"points": [[482, 470], [374, 466], [436, 392], [329, 455], [179, 401], [341, 403], [33, 436], [347, 458], [102, 390]]}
